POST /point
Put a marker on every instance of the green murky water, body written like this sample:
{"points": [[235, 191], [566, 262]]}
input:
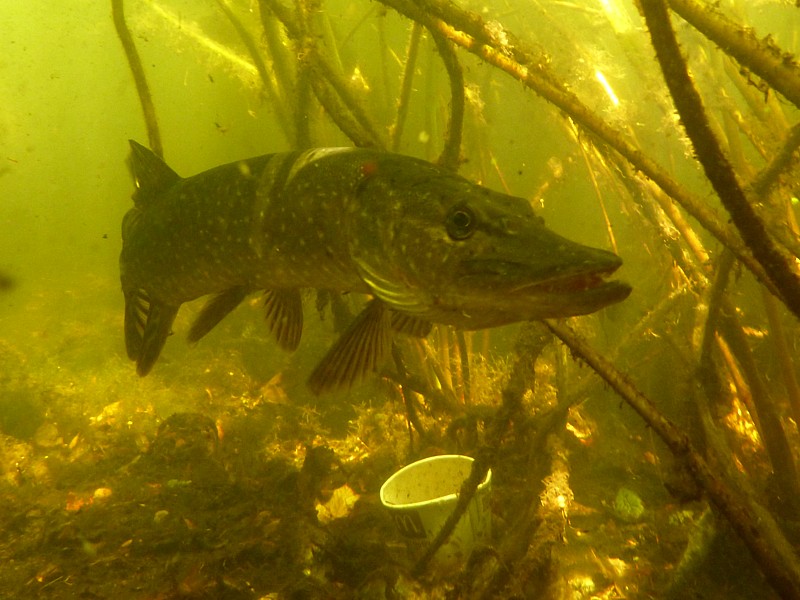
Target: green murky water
{"points": [[220, 475]]}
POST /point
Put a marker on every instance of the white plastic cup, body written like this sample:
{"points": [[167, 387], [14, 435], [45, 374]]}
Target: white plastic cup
{"points": [[421, 496]]}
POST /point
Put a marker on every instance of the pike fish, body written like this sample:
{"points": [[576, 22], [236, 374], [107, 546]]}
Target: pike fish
{"points": [[426, 244]]}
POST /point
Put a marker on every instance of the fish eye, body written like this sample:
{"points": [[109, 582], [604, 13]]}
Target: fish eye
{"points": [[460, 222]]}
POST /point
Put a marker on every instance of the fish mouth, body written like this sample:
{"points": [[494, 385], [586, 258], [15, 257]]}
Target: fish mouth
{"points": [[577, 294], [594, 281], [548, 291]]}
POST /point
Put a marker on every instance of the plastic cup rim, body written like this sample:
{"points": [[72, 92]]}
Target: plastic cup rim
{"points": [[434, 501]]}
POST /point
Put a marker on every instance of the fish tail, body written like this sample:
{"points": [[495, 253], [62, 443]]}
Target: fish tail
{"points": [[148, 324]]}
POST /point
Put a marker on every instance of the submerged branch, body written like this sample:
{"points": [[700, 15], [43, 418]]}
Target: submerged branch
{"points": [[405, 87], [782, 349], [752, 522], [272, 91], [780, 163], [530, 343], [339, 102], [779, 69], [451, 153], [776, 443], [329, 87], [474, 36], [135, 63], [716, 166]]}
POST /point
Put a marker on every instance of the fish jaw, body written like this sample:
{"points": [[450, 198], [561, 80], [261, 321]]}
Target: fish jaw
{"points": [[556, 278], [493, 295]]}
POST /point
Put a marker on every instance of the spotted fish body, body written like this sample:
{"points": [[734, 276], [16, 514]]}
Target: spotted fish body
{"points": [[426, 244]]}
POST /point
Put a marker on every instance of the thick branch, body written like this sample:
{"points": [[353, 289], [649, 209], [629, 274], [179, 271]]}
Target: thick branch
{"points": [[531, 71], [716, 166], [779, 69], [754, 525], [135, 63]]}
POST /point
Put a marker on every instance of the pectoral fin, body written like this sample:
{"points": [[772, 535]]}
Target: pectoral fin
{"points": [[409, 325], [360, 350]]}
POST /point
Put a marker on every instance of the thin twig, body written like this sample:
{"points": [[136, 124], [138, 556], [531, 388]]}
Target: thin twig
{"points": [[463, 353], [612, 240], [272, 91], [411, 410], [440, 368], [405, 87]]}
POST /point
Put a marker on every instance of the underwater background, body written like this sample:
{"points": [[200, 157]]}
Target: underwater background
{"points": [[219, 475]]}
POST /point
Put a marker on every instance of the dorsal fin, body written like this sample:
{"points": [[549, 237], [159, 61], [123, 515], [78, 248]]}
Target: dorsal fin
{"points": [[151, 174]]}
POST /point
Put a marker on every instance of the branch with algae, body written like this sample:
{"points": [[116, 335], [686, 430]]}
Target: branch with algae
{"points": [[779, 69], [270, 86], [751, 521], [331, 90], [716, 166], [531, 341], [476, 37]]}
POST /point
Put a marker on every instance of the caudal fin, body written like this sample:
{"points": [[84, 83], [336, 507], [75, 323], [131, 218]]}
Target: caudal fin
{"points": [[147, 326]]}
